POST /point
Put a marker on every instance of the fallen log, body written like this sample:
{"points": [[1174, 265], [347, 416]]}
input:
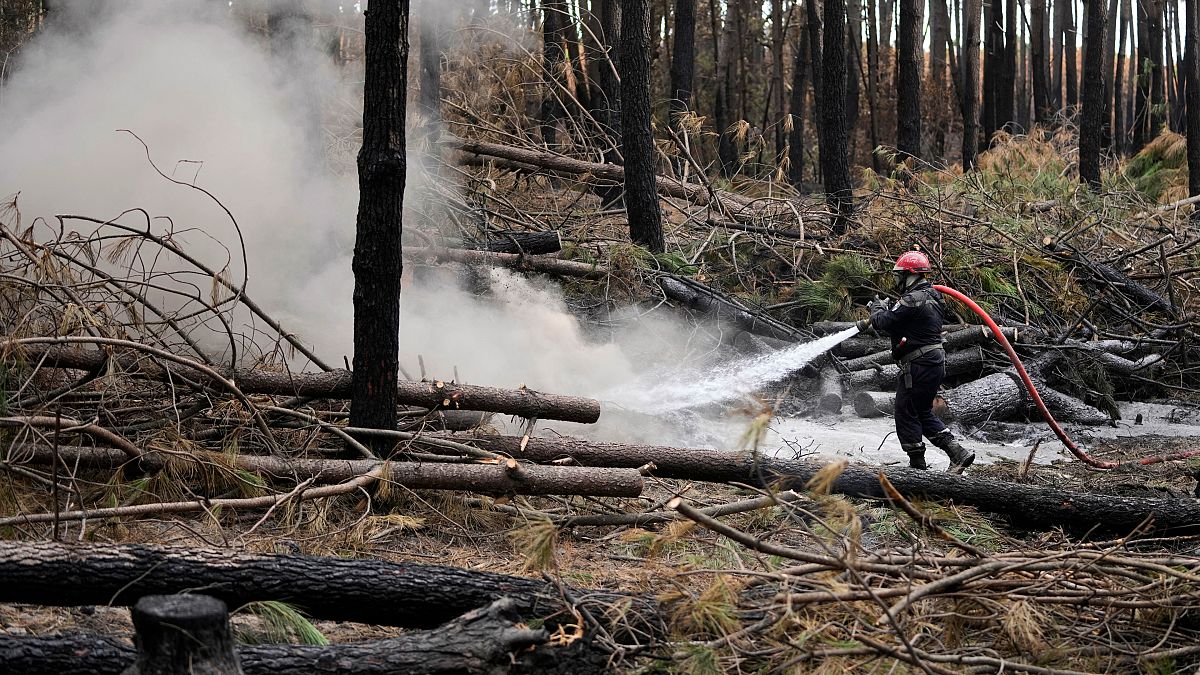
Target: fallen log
{"points": [[975, 411], [1027, 505], [489, 640], [526, 243], [1111, 277], [525, 263], [724, 308], [333, 384], [341, 589], [504, 478], [831, 390], [672, 187], [967, 361], [952, 341]]}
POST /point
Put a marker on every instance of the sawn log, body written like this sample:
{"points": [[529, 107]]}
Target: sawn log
{"points": [[1034, 506]]}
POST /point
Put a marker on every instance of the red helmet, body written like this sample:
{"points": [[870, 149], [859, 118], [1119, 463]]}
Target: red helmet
{"points": [[913, 262]]}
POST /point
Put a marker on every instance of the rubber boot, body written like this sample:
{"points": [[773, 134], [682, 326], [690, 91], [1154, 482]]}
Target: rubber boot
{"points": [[960, 457], [916, 455]]}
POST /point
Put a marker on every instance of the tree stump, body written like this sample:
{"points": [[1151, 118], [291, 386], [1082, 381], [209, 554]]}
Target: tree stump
{"points": [[183, 634]]}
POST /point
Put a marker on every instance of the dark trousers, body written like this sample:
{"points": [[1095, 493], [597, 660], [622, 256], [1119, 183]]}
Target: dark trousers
{"points": [[914, 404]]}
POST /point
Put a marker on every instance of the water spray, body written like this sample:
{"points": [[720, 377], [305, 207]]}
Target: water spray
{"points": [[1037, 398]]}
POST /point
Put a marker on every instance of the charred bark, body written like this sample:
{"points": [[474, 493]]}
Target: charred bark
{"points": [[528, 243], [641, 194], [339, 589], [183, 634], [1191, 67], [486, 641], [908, 79], [1093, 113], [725, 309], [377, 262], [834, 133]]}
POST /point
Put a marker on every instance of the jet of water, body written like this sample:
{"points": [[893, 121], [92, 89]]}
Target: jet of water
{"points": [[662, 393]]}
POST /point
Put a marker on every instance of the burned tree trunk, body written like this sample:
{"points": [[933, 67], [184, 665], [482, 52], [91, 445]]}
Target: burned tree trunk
{"points": [[641, 193], [183, 634], [527, 243], [366, 591], [910, 64], [834, 132], [1092, 115], [489, 641], [377, 259], [831, 390]]}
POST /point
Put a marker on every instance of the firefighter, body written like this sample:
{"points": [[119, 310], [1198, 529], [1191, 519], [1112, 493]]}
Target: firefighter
{"points": [[915, 327]]}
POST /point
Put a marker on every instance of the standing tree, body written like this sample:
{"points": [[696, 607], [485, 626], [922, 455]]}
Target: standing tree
{"points": [[1091, 121], [968, 95], [430, 56], [796, 138], [683, 58], [1191, 67], [641, 193], [554, 57], [835, 162], [908, 79], [1039, 61], [377, 260]]}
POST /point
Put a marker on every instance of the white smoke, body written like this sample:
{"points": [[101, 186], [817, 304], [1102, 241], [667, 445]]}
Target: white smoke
{"points": [[194, 83]]}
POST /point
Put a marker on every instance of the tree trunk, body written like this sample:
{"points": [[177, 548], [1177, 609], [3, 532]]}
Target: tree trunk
{"points": [[183, 634], [831, 390], [1070, 50], [969, 95], [608, 101], [1039, 62], [430, 101], [993, 67], [796, 141], [835, 166], [377, 262], [777, 87], [515, 241], [1092, 114], [1191, 68], [365, 590], [554, 62], [505, 478], [1158, 98], [1030, 505], [815, 28], [1058, 31], [1119, 100], [726, 101], [1109, 67], [488, 641], [641, 193], [939, 42], [908, 79], [338, 384], [683, 58], [854, 73], [1007, 80]]}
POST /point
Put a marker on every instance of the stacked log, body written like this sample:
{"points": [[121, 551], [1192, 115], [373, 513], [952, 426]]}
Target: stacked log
{"points": [[989, 389]]}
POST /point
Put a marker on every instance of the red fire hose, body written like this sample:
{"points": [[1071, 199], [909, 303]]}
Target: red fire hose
{"points": [[1037, 398]]}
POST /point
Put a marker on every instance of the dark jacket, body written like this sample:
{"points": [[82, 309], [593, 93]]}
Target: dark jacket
{"points": [[916, 319]]}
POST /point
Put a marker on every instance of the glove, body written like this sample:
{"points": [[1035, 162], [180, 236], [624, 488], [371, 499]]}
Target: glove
{"points": [[862, 324], [878, 304]]}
